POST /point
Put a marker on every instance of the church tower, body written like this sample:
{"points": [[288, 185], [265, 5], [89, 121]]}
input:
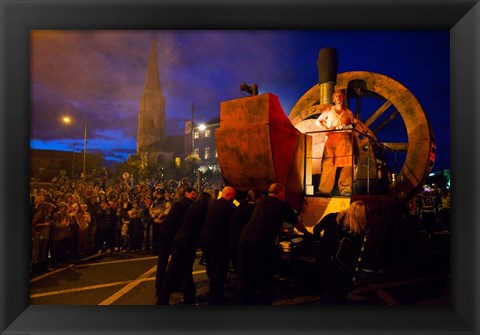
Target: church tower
{"points": [[151, 116]]}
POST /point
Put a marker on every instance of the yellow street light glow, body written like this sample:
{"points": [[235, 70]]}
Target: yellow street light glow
{"points": [[202, 127], [68, 120]]}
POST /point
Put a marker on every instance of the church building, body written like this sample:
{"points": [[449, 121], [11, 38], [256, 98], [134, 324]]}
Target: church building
{"points": [[153, 145]]}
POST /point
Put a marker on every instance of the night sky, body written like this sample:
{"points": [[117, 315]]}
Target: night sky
{"points": [[97, 77]]}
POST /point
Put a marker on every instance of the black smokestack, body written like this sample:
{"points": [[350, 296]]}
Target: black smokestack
{"points": [[327, 73]]}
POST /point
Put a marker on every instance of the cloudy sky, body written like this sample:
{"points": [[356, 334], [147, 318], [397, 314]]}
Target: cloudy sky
{"points": [[97, 77]]}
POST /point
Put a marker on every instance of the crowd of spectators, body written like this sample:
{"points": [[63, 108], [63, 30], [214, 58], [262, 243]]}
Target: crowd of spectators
{"points": [[429, 211], [73, 219]]}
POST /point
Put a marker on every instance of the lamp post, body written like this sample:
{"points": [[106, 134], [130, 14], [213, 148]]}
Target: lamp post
{"points": [[201, 127], [84, 149], [193, 133], [68, 120]]}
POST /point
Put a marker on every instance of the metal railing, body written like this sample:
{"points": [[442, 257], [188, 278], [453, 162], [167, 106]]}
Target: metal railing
{"points": [[372, 141]]}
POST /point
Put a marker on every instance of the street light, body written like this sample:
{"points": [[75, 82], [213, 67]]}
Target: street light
{"points": [[68, 120], [201, 127]]}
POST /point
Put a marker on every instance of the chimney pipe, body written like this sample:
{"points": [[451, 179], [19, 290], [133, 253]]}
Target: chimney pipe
{"points": [[327, 74]]}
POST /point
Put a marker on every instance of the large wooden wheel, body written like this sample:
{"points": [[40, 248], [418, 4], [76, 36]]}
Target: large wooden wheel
{"points": [[379, 100]]}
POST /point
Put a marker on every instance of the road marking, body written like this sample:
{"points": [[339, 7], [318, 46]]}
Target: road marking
{"points": [[118, 261], [78, 289], [96, 287], [127, 288], [33, 280], [132, 284], [95, 264]]}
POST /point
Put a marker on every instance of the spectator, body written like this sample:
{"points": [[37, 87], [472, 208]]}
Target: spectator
{"points": [[124, 205], [106, 222], [93, 206], [147, 222], [136, 231], [41, 226], [125, 235], [83, 220], [61, 235], [72, 212], [445, 209], [428, 213]]}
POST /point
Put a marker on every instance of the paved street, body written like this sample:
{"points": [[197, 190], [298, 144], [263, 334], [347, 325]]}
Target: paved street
{"points": [[419, 276]]}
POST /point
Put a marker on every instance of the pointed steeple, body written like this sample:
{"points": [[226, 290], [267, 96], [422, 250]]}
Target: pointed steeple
{"points": [[151, 115], [152, 83]]}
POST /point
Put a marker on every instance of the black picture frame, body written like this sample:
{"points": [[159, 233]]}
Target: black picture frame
{"points": [[461, 18]]}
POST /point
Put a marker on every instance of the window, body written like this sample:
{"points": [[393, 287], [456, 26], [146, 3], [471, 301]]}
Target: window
{"points": [[207, 153], [207, 133], [196, 135]]}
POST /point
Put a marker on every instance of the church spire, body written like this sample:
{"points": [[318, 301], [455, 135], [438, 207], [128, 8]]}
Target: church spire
{"points": [[151, 131], [152, 83]]}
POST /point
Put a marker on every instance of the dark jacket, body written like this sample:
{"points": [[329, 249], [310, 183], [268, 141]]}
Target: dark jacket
{"points": [[240, 218], [327, 235], [175, 216], [267, 219], [218, 220]]}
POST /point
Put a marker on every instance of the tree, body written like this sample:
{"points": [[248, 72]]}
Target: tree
{"points": [[191, 165], [133, 166]]}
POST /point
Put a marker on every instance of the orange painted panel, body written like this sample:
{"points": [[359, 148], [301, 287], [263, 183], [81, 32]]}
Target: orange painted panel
{"points": [[258, 145]]}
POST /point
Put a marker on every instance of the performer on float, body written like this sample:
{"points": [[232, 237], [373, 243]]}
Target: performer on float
{"points": [[338, 146]]}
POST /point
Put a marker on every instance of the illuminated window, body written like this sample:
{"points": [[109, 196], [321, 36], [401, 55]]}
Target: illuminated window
{"points": [[216, 154], [196, 135], [207, 133], [196, 152], [207, 153]]}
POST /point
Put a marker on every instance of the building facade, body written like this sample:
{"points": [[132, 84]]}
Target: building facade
{"points": [[47, 164], [204, 146]]}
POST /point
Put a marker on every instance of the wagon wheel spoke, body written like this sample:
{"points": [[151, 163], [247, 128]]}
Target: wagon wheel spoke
{"points": [[378, 113], [396, 146], [384, 123]]}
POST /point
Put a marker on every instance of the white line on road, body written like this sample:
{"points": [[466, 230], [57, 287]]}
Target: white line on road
{"points": [[127, 288], [118, 261], [78, 289], [132, 284], [95, 287], [33, 280]]}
